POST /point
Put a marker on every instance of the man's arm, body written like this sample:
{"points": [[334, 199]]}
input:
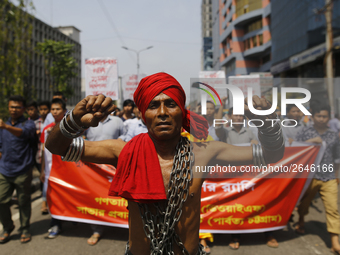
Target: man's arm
{"points": [[13, 130], [224, 154], [240, 155], [219, 114], [42, 171], [103, 152], [316, 139], [88, 112], [219, 129], [336, 172]]}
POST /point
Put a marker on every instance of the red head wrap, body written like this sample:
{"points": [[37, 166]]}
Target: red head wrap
{"points": [[151, 86]]}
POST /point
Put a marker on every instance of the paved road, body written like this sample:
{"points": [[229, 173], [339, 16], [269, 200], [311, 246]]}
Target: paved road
{"points": [[73, 238]]}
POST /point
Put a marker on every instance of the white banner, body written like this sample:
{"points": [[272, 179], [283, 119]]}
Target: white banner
{"points": [[211, 74], [101, 77], [130, 84]]}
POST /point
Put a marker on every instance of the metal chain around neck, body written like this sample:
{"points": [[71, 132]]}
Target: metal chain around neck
{"points": [[160, 227]]}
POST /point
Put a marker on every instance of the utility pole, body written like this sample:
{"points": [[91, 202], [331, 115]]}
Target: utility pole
{"points": [[329, 54], [137, 52]]}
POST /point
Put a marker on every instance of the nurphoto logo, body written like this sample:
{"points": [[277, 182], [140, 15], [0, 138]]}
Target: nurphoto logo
{"points": [[239, 99]]}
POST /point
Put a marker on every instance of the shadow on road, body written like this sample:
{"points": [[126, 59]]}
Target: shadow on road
{"points": [[70, 229]]}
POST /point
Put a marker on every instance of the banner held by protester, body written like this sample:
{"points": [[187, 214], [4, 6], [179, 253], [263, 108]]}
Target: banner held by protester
{"points": [[79, 192]]}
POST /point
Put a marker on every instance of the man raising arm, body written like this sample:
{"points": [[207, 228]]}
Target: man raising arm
{"points": [[154, 171]]}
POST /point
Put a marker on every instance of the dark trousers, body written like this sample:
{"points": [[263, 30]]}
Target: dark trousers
{"points": [[22, 184], [55, 222]]}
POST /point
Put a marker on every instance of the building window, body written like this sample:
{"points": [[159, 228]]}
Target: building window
{"points": [[254, 41], [248, 43], [255, 25], [260, 39], [230, 66], [245, 6], [265, 59]]}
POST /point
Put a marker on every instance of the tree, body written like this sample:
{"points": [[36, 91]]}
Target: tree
{"points": [[15, 49], [59, 65]]}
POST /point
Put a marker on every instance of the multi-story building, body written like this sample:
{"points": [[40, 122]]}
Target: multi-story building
{"points": [[206, 52], [216, 34], [38, 79], [299, 49], [242, 30], [298, 38]]}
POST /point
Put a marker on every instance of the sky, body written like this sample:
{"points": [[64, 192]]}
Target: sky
{"points": [[173, 28]]}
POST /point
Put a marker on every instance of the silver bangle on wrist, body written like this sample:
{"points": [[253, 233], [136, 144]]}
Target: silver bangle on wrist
{"points": [[75, 124], [258, 159], [75, 150], [74, 132], [271, 139]]}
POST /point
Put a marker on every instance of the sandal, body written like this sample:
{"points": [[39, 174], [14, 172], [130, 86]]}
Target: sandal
{"points": [[300, 229], [44, 208], [5, 236], [44, 211], [271, 242], [206, 249], [93, 239], [25, 237], [234, 244]]}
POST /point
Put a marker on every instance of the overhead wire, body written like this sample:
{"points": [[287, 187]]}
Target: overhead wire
{"points": [[142, 39], [108, 17]]}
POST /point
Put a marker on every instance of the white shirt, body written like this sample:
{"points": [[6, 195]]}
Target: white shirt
{"points": [[111, 128], [135, 128]]}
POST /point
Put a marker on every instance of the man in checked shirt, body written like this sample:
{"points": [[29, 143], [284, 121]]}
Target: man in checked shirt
{"points": [[326, 177]]}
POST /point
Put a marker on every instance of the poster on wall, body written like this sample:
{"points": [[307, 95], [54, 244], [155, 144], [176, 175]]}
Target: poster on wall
{"points": [[101, 77]]}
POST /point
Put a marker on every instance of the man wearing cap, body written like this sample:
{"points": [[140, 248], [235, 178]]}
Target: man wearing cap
{"points": [[155, 170]]}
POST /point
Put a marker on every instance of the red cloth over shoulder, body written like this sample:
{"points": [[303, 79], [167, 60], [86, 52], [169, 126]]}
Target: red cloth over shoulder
{"points": [[138, 176]]}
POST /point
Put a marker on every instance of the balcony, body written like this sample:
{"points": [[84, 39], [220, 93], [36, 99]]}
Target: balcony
{"points": [[266, 67], [230, 57], [248, 17], [228, 18], [258, 50], [241, 21]]}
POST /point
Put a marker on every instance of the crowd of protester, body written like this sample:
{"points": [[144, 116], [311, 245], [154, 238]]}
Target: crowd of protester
{"points": [[22, 147], [318, 128]]}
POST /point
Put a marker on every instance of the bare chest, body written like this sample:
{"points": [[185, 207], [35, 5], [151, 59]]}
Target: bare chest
{"points": [[166, 168]]}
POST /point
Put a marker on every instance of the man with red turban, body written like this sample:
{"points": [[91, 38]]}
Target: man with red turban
{"points": [[154, 170]]}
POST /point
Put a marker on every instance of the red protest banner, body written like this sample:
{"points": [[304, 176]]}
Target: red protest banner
{"points": [[79, 192]]}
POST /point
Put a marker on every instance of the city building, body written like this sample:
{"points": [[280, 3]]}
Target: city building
{"points": [[241, 31], [298, 38], [206, 52], [38, 80], [298, 30], [216, 50]]}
